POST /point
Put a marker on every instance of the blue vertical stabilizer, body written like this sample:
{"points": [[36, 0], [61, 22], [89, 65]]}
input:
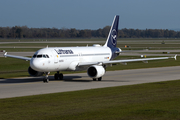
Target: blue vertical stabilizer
{"points": [[113, 34], [111, 41]]}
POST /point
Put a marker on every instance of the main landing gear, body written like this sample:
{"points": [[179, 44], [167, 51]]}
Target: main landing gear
{"points": [[99, 79], [58, 76]]}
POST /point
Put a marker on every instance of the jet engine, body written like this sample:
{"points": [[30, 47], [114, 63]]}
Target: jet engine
{"points": [[34, 73], [96, 71]]}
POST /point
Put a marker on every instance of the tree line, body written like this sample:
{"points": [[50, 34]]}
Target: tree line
{"points": [[25, 32]]}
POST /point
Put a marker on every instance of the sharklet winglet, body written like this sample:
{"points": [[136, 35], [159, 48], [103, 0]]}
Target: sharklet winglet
{"points": [[5, 53], [175, 57]]}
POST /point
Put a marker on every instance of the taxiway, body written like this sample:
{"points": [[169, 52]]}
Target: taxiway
{"points": [[72, 82]]}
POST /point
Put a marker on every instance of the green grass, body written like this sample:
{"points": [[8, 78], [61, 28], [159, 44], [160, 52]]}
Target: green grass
{"points": [[55, 39], [135, 44], [153, 48], [45, 44], [165, 53], [153, 101], [11, 67], [148, 45], [29, 47], [20, 49], [92, 39]]}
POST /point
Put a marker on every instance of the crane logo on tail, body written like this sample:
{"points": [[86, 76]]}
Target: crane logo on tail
{"points": [[113, 36]]}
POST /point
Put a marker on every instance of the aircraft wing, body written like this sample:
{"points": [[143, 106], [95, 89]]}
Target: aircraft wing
{"points": [[128, 51], [124, 61], [18, 57]]}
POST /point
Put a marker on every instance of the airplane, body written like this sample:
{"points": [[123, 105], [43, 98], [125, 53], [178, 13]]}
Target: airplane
{"points": [[94, 58]]}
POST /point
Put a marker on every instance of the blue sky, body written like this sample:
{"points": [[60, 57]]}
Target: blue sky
{"points": [[90, 14]]}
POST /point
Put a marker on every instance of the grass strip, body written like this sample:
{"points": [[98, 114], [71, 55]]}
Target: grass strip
{"points": [[148, 45], [154, 40], [136, 102]]}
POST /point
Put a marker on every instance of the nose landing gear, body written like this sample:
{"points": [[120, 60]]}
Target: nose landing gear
{"points": [[46, 80]]}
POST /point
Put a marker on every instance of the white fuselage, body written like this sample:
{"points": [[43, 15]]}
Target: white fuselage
{"points": [[68, 58]]}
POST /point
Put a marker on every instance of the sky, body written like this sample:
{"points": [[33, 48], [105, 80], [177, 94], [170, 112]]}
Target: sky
{"points": [[90, 14]]}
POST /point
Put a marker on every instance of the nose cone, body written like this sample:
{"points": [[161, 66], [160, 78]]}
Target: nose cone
{"points": [[36, 65]]}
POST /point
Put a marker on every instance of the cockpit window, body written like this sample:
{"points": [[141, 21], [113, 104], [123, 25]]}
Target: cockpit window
{"points": [[34, 56], [47, 56], [40, 56], [44, 56]]}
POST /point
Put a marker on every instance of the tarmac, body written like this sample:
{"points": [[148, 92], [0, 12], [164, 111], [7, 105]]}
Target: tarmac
{"points": [[17, 87]]}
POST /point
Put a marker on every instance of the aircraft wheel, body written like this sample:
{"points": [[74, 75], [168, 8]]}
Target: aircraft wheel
{"points": [[45, 80], [61, 76], [56, 76], [94, 79], [99, 79]]}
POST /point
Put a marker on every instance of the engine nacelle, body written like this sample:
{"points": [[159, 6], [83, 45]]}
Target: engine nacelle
{"points": [[34, 73], [96, 71]]}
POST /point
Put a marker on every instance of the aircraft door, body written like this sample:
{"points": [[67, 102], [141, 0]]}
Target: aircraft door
{"points": [[55, 56]]}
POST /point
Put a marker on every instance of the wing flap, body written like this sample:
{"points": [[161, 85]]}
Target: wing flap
{"points": [[135, 60], [124, 61], [87, 63]]}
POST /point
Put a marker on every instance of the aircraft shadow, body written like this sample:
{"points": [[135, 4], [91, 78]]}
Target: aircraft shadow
{"points": [[74, 79], [114, 81], [39, 79], [20, 80], [51, 78]]}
